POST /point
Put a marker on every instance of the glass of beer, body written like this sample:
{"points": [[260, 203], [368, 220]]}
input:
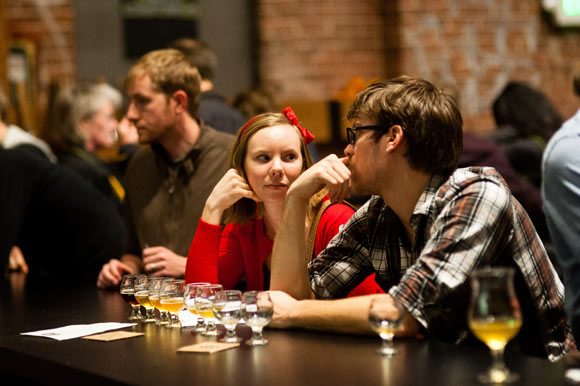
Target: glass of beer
{"points": [[227, 308], [386, 317], [127, 290], [142, 296], [154, 287], [204, 298], [171, 298], [257, 311], [189, 296], [495, 318]]}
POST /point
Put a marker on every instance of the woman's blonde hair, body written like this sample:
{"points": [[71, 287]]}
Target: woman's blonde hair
{"points": [[246, 209]]}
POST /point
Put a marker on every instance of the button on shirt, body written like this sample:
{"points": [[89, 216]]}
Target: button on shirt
{"points": [[461, 223]]}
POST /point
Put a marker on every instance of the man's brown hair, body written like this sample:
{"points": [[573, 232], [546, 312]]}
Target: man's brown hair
{"points": [[430, 118], [169, 71]]}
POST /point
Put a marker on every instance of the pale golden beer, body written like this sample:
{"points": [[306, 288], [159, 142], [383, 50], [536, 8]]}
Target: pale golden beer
{"points": [[172, 305], [497, 333]]}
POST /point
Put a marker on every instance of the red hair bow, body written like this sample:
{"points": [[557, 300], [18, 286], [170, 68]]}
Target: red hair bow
{"points": [[291, 115]]}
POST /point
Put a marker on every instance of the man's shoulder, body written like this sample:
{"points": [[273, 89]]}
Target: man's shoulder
{"points": [[215, 143], [484, 183]]}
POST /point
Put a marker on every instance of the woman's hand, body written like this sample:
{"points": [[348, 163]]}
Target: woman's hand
{"points": [[330, 172], [231, 188]]}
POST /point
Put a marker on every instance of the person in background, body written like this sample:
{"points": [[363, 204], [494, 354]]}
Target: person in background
{"points": [[526, 119], [561, 195], [426, 230], [270, 152], [82, 123], [213, 109], [168, 181], [62, 225], [12, 136]]}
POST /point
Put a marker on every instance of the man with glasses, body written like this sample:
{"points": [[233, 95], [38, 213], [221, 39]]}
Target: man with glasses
{"points": [[425, 230]]}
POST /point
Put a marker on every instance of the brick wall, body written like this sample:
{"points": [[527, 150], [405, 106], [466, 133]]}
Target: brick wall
{"points": [[311, 49], [47, 29]]}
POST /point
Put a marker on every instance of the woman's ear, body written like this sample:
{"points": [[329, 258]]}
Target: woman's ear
{"points": [[395, 138], [181, 101]]}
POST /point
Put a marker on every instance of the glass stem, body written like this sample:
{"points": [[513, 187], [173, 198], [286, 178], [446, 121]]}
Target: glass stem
{"points": [[388, 344], [497, 363], [257, 333]]}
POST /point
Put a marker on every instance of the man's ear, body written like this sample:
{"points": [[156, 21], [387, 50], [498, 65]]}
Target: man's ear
{"points": [[181, 100], [395, 138]]}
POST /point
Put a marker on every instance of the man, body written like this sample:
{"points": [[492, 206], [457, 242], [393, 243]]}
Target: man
{"points": [[561, 193], [426, 230], [167, 182], [213, 110], [65, 229]]}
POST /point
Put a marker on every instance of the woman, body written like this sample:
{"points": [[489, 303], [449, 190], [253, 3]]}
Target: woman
{"points": [[269, 154], [84, 122]]}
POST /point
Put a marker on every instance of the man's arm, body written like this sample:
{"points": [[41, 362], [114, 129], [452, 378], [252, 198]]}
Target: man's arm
{"points": [[289, 260], [349, 315]]}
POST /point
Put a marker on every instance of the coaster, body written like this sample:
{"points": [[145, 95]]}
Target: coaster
{"points": [[207, 347], [114, 335]]}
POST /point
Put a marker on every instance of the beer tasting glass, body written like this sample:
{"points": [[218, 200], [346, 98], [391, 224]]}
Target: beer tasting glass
{"points": [[142, 296], [495, 318], [171, 298], [386, 317], [257, 311], [227, 309], [189, 297], [154, 287], [204, 298], [127, 290]]}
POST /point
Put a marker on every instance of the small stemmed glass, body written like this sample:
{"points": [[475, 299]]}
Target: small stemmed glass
{"points": [[155, 284], [127, 290], [171, 297], [495, 317], [189, 297], [142, 296], [386, 317], [204, 298], [227, 309], [257, 311]]}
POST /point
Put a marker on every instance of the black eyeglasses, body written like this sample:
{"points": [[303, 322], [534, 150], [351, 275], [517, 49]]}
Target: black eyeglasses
{"points": [[351, 135]]}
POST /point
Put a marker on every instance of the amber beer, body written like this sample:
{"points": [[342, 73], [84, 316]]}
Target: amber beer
{"points": [[173, 305], [155, 302], [143, 299]]}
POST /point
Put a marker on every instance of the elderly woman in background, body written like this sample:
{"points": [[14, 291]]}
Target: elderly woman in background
{"points": [[84, 122]]}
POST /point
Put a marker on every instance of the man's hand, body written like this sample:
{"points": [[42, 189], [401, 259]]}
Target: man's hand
{"points": [[16, 262], [160, 261], [112, 273], [330, 172], [284, 306]]}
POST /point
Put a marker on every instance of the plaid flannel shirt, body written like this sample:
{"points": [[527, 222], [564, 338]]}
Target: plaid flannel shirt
{"points": [[461, 223]]}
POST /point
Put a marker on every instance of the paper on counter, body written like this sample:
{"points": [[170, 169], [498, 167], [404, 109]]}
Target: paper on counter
{"points": [[208, 347], [113, 335], [78, 330], [187, 319]]}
